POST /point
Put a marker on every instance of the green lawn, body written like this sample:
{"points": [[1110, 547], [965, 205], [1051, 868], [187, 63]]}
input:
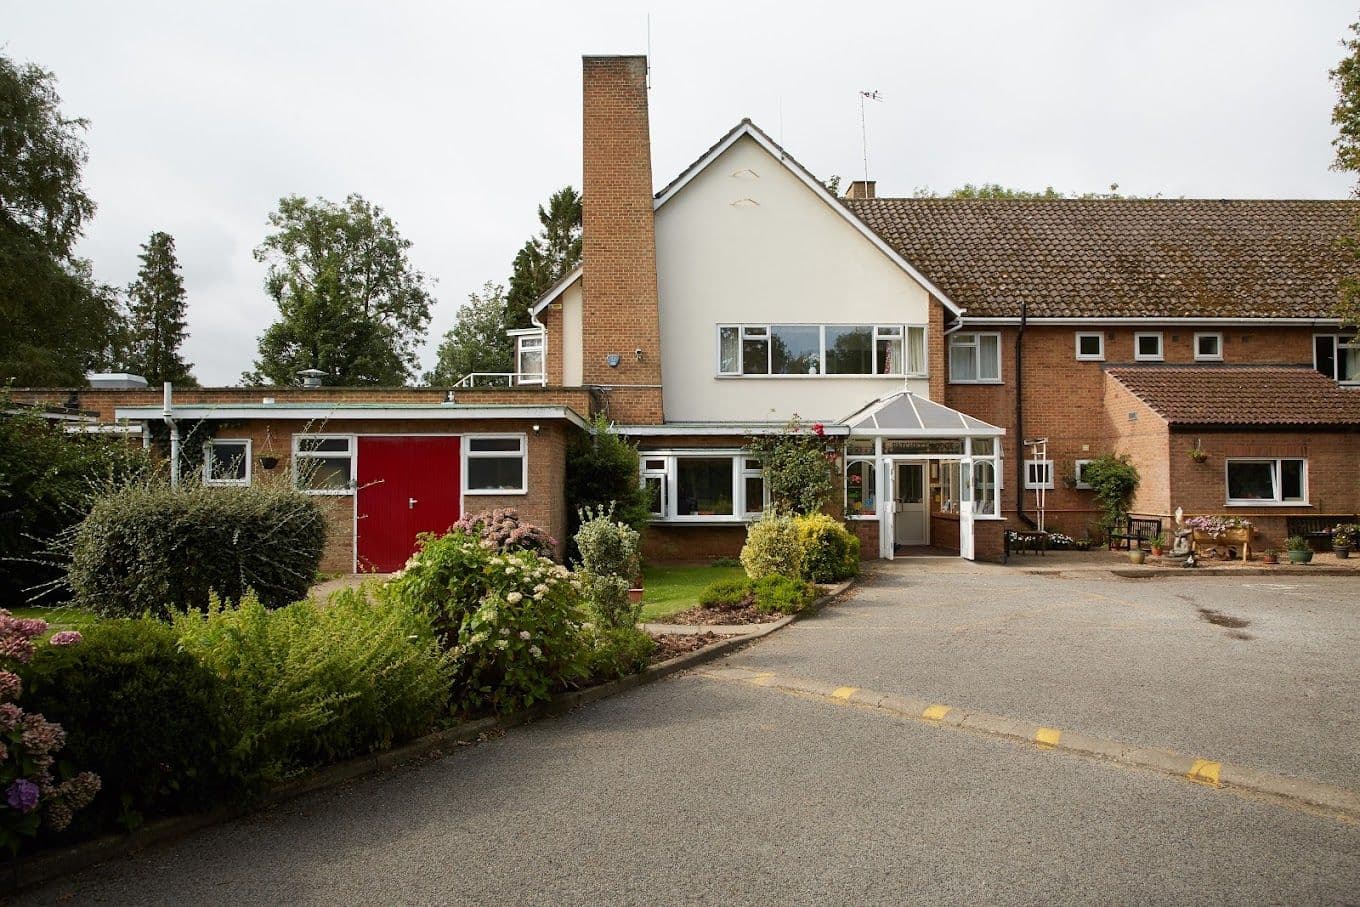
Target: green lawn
{"points": [[667, 590], [60, 618]]}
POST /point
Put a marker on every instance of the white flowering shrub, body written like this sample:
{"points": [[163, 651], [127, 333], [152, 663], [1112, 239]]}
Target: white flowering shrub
{"points": [[772, 547], [512, 620], [609, 558]]}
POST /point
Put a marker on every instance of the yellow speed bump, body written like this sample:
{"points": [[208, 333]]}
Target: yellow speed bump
{"points": [[843, 693], [763, 678], [935, 712], [1204, 771], [1047, 737]]}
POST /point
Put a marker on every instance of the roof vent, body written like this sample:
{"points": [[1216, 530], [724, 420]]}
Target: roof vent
{"points": [[311, 377], [119, 380]]}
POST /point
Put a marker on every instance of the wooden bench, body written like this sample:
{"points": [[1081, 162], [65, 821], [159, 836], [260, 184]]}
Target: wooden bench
{"points": [[1135, 531], [1316, 528]]}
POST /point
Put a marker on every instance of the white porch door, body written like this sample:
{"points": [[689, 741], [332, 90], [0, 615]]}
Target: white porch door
{"points": [[966, 509], [910, 525]]}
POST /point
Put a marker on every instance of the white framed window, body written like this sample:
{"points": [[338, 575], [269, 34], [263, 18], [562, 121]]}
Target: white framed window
{"points": [[1147, 347], [975, 358], [1209, 347], [1038, 474], [1256, 482], [495, 464], [861, 490], [814, 350], [1091, 346], [1338, 357], [703, 485], [1079, 474], [324, 464], [226, 461], [529, 359], [984, 488]]}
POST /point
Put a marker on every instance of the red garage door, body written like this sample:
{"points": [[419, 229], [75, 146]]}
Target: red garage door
{"points": [[407, 485]]}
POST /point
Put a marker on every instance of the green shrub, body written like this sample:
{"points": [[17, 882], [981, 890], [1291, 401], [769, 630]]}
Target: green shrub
{"points": [[725, 562], [602, 471], [151, 548], [306, 684], [726, 593], [795, 466], [830, 551], [609, 554], [48, 478], [1114, 481], [772, 547], [782, 594], [613, 652], [141, 713]]}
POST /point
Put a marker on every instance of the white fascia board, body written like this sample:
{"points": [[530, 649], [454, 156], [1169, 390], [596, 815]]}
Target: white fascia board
{"points": [[747, 128], [657, 431], [556, 290], [523, 332], [434, 411], [1148, 321], [915, 433]]}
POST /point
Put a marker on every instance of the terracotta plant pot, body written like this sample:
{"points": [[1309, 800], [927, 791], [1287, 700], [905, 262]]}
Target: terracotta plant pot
{"points": [[1269, 559], [635, 595], [1156, 550]]}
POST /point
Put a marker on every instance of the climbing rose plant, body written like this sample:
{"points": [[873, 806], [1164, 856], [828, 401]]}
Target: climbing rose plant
{"points": [[32, 795], [796, 466]]}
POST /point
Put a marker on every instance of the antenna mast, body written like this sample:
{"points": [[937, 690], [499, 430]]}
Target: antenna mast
{"points": [[863, 129]]}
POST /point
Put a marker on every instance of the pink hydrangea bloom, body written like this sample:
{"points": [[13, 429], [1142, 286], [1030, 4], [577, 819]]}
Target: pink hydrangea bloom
{"points": [[65, 638]]}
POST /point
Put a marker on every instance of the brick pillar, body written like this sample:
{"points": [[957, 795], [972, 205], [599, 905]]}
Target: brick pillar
{"points": [[619, 241], [936, 361]]}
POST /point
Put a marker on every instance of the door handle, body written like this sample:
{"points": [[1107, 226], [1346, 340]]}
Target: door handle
{"points": [[411, 503]]}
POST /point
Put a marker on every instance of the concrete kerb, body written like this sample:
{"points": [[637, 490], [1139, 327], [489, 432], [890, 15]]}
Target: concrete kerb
{"points": [[59, 862], [1154, 572], [1336, 801]]}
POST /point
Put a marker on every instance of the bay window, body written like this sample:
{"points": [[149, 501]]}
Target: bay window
{"points": [[974, 358], [822, 349], [1267, 481], [703, 485]]}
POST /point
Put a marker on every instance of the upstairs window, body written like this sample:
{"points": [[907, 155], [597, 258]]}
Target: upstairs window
{"points": [[1209, 347], [1338, 357], [821, 349], [1091, 347], [1282, 481], [529, 359], [975, 358], [226, 461], [1148, 347]]}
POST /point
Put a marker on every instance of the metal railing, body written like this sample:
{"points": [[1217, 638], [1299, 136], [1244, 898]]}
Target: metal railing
{"points": [[499, 379]]}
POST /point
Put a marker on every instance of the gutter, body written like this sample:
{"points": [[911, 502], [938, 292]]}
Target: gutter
{"points": [[168, 416], [1020, 421]]}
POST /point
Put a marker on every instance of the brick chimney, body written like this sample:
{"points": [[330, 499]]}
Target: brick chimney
{"points": [[621, 330], [861, 189]]}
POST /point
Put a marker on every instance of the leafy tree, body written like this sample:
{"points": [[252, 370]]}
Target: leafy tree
{"points": [[1114, 480], [156, 306], [58, 322], [547, 257], [350, 302], [1346, 119], [477, 342]]}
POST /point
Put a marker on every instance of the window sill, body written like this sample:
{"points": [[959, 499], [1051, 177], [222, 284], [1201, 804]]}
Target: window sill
{"points": [[862, 516], [220, 483], [704, 521], [1267, 504], [722, 377], [1208, 358], [328, 492], [993, 381], [988, 517], [1090, 358], [495, 491]]}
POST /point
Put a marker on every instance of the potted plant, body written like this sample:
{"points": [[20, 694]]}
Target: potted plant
{"points": [[1343, 539], [1299, 552], [1270, 556], [1137, 555], [1158, 544], [1199, 454]]}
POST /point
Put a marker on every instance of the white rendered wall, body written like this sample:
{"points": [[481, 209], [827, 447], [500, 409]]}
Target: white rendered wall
{"points": [[747, 241]]}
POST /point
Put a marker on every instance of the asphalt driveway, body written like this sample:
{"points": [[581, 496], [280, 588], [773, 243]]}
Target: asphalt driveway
{"points": [[704, 790]]}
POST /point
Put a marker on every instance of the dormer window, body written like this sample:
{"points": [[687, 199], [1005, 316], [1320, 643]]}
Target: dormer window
{"points": [[1338, 357]]}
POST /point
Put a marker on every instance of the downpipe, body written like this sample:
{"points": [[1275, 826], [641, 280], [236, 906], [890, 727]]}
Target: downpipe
{"points": [[1020, 420], [168, 415]]}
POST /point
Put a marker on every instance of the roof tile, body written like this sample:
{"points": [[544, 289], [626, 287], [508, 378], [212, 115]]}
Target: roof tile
{"points": [[1240, 394]]}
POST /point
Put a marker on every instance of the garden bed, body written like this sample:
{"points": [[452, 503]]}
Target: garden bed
{"points": [[699, 617], [670, 645]]}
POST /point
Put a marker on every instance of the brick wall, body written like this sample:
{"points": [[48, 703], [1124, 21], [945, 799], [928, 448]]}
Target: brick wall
{"points": [[944, 531], [1134, 429], [1065, 400], [552, 330], [619, 244]]}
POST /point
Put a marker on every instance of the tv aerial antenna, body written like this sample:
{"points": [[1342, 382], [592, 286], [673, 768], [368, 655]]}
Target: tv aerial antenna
{"points": [[863, 129]]}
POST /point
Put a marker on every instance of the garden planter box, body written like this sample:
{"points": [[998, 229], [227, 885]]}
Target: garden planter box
{"points": [[1235, 538]]}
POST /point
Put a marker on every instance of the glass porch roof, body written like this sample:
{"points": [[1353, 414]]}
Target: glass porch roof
{"points": [[905, 415]]}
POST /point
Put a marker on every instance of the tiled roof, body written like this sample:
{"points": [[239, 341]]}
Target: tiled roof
{"points": [[1240, 394], [1119, 258]]}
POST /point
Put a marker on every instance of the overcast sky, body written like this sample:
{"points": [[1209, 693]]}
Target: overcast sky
{"points": [[461, 118]]}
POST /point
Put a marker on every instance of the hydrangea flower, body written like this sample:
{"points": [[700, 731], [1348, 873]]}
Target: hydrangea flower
{"points": [[22, 795], [65, 638], [514, 598], [525, 634]]}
